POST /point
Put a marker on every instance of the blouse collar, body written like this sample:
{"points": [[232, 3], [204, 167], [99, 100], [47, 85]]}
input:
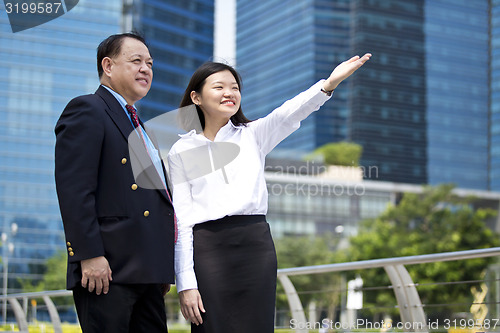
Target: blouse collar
{"points": [[229, 126]]}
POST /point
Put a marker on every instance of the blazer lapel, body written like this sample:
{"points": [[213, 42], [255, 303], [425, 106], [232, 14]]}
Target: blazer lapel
{"points": [[116, 112], [154, 140], [144, 171]]}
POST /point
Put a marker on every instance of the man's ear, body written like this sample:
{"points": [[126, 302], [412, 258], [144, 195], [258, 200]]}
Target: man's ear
{"points": [[106, 64]]}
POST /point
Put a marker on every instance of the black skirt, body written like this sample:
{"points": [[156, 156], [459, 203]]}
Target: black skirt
{"points": [[235, 265]]}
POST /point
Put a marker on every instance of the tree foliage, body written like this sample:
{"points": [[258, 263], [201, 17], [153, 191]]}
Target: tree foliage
{"points": [[339, 153], [431, 222], [54, 276]]}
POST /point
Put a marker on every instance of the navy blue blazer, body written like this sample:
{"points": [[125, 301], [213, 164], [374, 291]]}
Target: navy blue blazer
{"points": [[104, 212]]}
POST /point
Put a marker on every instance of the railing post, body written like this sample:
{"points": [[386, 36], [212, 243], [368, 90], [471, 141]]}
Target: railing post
{"points": [[54, 315], [410, 306], [296, 308], [19, 314], [25, 306]]}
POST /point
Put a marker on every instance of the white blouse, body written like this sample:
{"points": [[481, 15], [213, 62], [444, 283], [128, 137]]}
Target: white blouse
{"points": [[226, 177]]}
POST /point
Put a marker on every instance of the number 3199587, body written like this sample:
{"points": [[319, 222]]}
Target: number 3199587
{"points": [[33, 8]]}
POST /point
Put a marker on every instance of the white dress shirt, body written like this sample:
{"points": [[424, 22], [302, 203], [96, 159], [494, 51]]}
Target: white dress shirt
{"points": [[205, 191]]}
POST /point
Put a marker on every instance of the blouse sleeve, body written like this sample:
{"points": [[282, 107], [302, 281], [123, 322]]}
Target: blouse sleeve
{"points": [[284, 120], [182, 200]]}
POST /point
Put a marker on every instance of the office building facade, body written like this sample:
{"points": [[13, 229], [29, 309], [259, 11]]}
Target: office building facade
{"points": [[316, 204], [412, 109], [494, 116], [283, 47], [457, 76], [180, 35]]}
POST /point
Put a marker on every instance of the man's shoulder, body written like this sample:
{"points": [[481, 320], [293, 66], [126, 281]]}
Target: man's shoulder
{"points": [[101, 99], [83, 99], [83, 107], [97, 97]]}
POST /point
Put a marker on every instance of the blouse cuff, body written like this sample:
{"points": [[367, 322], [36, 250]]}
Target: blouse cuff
{"points": [[186, 280], [323, 96]]}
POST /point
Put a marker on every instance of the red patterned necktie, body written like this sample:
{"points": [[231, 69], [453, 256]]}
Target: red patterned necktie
{"points": [[135, 120], [133, 115]]}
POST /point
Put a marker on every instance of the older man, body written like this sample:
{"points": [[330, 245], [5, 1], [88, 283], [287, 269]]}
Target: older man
{"points": [[119, 236]]}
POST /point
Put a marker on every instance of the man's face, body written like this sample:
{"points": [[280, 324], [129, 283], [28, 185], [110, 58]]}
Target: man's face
{"points": [[131, 71]]}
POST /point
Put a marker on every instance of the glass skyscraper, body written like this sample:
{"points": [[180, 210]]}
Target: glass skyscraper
{"points": [[388, 105], [180, 35], [419, 107], [43, 68], [457, 74], [283, 47], [494, 147]]}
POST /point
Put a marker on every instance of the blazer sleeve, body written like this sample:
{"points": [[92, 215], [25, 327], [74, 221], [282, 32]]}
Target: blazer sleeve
{"points": [[79, 136]]}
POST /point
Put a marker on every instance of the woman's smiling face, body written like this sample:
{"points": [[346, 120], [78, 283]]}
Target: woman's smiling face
{"points": [[220, 96]]}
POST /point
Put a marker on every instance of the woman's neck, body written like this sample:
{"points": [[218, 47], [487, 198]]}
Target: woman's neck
{"points": [[212, 128]]}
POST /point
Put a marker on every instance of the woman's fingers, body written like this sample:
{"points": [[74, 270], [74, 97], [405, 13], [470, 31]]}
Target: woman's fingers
{"points": [[191, 304], [344, 70]]}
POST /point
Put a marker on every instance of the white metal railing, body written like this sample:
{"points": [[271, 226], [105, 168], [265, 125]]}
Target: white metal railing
{"points": [[410, 307], [20, 312]]}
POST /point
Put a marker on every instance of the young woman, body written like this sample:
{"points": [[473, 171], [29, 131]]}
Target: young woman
{"points": [[225, 260]]}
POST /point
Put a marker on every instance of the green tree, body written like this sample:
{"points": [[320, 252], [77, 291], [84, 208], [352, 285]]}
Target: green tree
{"points": [[338, 153], [431, 222], [324, 289], [54, 276]]}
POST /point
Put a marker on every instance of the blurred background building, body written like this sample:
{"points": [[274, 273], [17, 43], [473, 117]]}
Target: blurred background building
{"points": [[426, 109], [420, 109], [494, 97], [180, 35]]}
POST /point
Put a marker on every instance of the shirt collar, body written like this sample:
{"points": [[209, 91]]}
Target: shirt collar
{"points": [[118, 97], [191, 133], [223, 129]]}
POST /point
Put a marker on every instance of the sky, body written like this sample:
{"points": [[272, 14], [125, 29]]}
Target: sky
{"points": [[225, 31]]}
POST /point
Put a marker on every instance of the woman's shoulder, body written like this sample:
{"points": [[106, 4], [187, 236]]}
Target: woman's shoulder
{"points": [[185, 142]]}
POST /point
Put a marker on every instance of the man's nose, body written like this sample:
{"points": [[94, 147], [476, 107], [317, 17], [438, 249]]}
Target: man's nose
{"points": [[145, 68]]}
